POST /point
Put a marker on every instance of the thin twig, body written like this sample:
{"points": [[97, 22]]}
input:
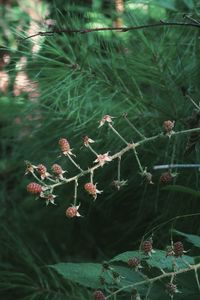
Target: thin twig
{"points": [[193, 102], [122, 29], [117, 133], [75, 191], [74, 163], [132, 126]]}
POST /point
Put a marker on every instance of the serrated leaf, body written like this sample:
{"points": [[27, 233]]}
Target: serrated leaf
{"points": [[86, 274], [157, 259], [191, 238], [182, 189]]}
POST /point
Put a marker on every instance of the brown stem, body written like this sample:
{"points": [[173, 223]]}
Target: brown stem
{"points": [[122, 29]]}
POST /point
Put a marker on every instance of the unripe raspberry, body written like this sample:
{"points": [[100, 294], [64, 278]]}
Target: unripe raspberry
{"points": [[147, 247], [64, 146], [41, 169], [34, 188], [166, 177], [98, 295], [178, 249], [72, 211], [134, 262], [91, 189], [57, 169], [171, 288], [168, 126]]}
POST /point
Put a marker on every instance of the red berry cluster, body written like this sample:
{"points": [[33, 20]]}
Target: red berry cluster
{"points": [[134, 262], [90, 188], [99, 295], [57, 169], [166, 177], [41, 169], [71, 212], [64, 145], [171, 288], [34, 188], [178, 249]]}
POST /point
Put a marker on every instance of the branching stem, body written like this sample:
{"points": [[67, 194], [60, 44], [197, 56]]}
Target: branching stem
{"points": [[129, 147], [74, 163], [154, 279]]}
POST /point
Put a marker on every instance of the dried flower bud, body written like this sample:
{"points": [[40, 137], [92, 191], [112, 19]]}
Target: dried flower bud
{"points": [[168, 126], [106, 118], [99, 295], [34, 188], [169, 251], [148, 176], [119, 183], [87, 141], [29, 167]]}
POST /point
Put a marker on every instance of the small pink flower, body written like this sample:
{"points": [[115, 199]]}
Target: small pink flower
{"points": [[106, 118], [87, 140], [102, 159]]}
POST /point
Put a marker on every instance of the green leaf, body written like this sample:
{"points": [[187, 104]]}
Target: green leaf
{"points": [[191, 238], [86, 274], [182, 189], [157, 259]]}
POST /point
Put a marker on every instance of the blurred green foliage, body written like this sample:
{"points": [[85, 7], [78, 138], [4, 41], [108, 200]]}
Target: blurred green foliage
{"points": [[80, 78]]}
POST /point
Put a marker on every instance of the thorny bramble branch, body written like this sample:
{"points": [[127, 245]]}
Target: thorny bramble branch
{"points": [[46, 190]]}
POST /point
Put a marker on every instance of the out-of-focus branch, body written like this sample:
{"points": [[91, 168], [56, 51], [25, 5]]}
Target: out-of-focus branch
{"points": [[122, 29]]}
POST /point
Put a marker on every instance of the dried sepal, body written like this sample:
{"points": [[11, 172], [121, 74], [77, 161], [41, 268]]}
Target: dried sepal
{"points": [[106, 118], [87, 141], [102, 159]]}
